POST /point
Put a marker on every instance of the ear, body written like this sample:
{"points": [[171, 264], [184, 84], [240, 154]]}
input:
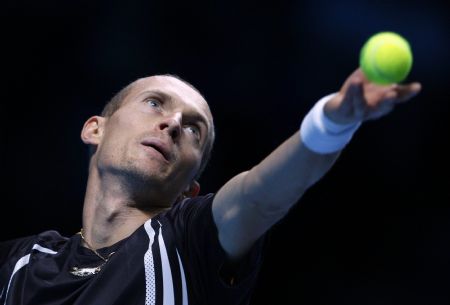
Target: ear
{"points": [[193, 190], [92, 131]]}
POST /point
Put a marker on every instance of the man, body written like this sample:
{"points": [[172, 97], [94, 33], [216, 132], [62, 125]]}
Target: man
{"points": [[147, 238]]}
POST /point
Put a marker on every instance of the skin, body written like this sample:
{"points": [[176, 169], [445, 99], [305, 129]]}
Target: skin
{"points": [[127, 186]]}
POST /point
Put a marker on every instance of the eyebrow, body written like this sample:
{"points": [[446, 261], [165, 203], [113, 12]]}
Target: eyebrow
{"points": [[167, 97], [160, 94]]}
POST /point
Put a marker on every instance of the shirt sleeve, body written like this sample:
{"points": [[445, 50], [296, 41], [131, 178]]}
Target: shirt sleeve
{"points": [[10, 248], [211, 274], [10, 252]]}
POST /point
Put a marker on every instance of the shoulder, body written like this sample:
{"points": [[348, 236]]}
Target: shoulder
{"points": [[193, 205], [187, 211], [50, 240], [190, 216]]}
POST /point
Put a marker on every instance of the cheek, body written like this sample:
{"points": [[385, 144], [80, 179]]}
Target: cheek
{"points": [[110, 149], [115, 143], [120, 129], [191, 159]]}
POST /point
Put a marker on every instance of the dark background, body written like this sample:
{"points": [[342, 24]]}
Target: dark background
{"points": [[375, 230]]}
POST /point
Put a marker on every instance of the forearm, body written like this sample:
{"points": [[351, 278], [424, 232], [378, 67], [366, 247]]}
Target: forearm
{"points": [[253, 201], [277, 183]]}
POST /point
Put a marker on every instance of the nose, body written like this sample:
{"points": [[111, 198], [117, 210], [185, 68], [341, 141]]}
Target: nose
{"points": [[172, 125]]}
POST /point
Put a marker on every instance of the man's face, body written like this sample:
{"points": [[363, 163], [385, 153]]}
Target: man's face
{"points": [[156, 139]]}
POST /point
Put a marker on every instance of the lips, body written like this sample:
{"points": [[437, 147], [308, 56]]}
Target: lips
{"points": [[160, 146]]}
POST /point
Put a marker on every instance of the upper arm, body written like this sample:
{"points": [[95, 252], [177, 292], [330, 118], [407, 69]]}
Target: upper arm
{"points": [[240, 221]]}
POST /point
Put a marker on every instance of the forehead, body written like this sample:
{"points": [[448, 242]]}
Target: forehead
{"points": [[178, 90]]}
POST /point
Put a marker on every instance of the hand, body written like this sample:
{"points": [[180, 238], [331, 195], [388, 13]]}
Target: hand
{"points": [[361, 100]]}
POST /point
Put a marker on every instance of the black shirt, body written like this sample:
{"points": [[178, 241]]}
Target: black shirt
{"points": [[174, 258]]}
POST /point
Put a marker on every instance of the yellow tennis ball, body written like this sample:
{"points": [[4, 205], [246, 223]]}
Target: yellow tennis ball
{"points": [[386, 58]]}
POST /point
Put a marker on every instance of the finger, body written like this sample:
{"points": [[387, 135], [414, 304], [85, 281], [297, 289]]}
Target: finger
{"points": [[406, 92], [383, 106], [359, 74], [390, 96], [355, 96]]}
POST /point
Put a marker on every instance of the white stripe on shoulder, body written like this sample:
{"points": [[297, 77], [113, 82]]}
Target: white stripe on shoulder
{"points": [[42, 249], [150, 288], [23, 261]]}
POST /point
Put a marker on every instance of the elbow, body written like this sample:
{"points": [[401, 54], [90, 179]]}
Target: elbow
{"points": [[266, 202]]}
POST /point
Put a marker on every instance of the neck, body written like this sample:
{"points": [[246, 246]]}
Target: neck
{"points": [[110, 213]]}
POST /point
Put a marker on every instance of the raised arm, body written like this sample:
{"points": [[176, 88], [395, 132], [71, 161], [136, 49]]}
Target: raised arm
{"points": [[251, 202]]}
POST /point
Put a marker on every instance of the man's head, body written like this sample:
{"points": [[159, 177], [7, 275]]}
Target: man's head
{"points": [[157, 134]]}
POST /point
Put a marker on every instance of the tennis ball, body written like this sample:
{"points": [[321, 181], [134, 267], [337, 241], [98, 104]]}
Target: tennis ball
{"points": [[386, 58]]}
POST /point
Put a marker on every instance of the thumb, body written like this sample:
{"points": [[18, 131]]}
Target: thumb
{"points": [[354, 99]]}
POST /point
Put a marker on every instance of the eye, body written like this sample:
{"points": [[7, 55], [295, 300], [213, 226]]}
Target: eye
{"points": [[153, 103], [195, 130]]}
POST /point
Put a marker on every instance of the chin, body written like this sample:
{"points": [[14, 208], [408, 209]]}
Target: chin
{"points": [[145, 176]]}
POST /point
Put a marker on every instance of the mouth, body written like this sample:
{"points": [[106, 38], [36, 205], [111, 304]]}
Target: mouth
{"points": [[158, 146]]}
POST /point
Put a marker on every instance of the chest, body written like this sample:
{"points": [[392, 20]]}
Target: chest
{"points": [[147, 269]]}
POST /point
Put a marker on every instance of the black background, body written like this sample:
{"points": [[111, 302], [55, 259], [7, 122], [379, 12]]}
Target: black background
{"points": [[375, 230]]}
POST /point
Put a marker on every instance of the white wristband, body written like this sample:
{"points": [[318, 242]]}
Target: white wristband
{"points": [[322, 135]]}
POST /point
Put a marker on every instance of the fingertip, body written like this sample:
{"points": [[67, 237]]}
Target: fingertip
{"points": [[358, 73], [416, 87], [358, 80], [409, 91]]}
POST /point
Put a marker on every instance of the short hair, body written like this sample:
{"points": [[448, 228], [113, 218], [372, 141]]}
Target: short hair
{"points": [[117, 100]]}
